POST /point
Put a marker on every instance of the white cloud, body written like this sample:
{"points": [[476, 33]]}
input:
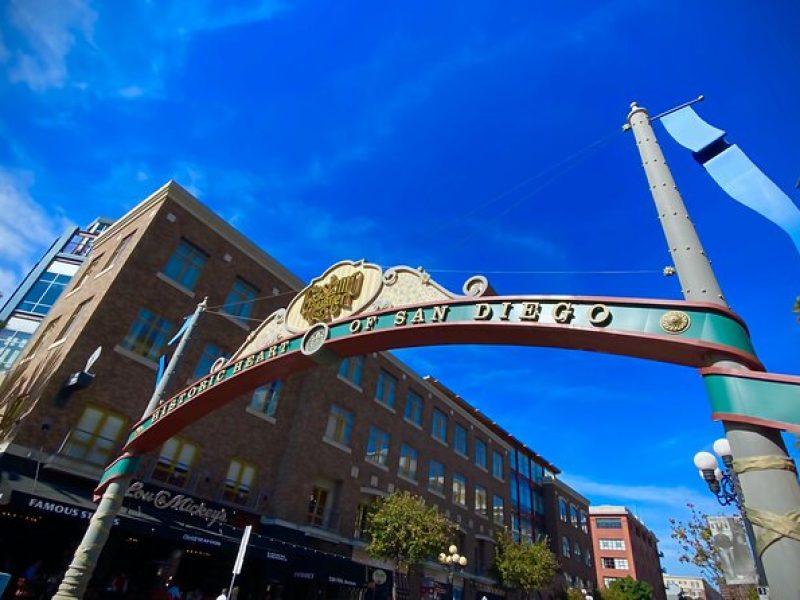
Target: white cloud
{"points": [[50, 30], [26, 228]]}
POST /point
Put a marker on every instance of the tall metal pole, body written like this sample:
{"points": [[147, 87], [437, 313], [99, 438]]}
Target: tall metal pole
{"points": [[773, 490], [84, 561]]}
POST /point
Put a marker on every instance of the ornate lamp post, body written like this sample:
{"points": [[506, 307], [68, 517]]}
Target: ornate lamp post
{"points": [[453, 563], [723, 484]]}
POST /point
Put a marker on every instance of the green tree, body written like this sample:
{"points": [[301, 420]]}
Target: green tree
{"points": [[628, 589], [407, 531], [696, 544], [524, 566], [573, 593]]}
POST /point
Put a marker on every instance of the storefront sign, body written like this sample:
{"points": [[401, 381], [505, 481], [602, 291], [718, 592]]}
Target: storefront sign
{"points": [[199, 539], [57, 508], [170, 501]]}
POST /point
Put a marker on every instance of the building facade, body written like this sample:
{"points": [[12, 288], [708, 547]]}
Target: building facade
{"points": [[25, 308], [692, 587], [624, 547], [569, 534], [301, 459]]}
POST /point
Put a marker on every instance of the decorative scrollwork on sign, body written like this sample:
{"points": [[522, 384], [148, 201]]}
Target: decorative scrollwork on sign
{"points": [[675, 321], [476, 286]]}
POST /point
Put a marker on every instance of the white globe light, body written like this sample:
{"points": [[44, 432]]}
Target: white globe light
{"points": [[442, 557], [453, 549], [455, 558], [700, 473], [705, 461], [722, 447], [448, 559], [463, 561], [718, 474]]}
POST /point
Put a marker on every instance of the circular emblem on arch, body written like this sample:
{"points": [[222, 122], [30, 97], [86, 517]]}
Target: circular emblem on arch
{"points": [[314, 339], [675, 321]]}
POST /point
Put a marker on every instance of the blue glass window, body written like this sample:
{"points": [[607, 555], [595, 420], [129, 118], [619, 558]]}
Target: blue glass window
{"points": [[414, 408], [460, 439], [44, 293], [147, 335], [239, 302], [185, 264], [210, 354], [480, 453], [265, 399], [378, 446], [351, 368], [436, 477], [439, 425], [387, 384], [497, 464], [12, 343]]}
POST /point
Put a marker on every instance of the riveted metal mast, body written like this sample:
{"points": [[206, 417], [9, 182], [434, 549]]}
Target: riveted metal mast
{"points": [[772, 490]]}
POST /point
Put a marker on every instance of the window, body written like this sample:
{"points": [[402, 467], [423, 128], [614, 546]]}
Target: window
{"points": [[608, 563], [387, 384], [604, 523], [436, 477], [460, 439], [481, 501], [525, 496], [351, 369], [175, 461], [413, 408], [211, 353], [408, 462], [459, 489], [607, 581], [524, 465], [124, 243], [239, 481], [610, 544], [576, 550], [265, 398], [562, 509], [538, 502], [480, 453], [320, 503], [573, 515], [147, 335], [497, 509], [44, 293], [537, 472], [13, 340], [73, 321], [94, 438], [584, 522], [439, 426], [587, 559], [565, 547], [497, 464], [621, 563], [239, 302], [526, 529], [340, 426], [185, 264], [378, 446]]}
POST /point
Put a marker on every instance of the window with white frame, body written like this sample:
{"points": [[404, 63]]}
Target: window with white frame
{"points": [[97, 434], [175, 461], [340, 426], [459, 490], [238, 481], [481, 501], [611, 544]]}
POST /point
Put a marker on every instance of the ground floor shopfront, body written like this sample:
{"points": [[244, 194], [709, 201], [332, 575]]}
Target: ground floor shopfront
{"points": [[160, 536]]}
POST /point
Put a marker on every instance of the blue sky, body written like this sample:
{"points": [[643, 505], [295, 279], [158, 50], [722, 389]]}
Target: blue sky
{"points": [[466, 137]]}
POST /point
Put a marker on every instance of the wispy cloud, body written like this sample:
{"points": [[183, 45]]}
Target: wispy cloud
{"points": [[26, 228], [48, 31]]}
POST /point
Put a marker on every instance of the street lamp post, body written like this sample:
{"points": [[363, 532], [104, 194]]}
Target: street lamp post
{"points": [[727, 490], [453, 563]]}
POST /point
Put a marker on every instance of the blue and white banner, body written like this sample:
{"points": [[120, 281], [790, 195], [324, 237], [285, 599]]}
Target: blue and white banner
{"points": [[735, 173]]}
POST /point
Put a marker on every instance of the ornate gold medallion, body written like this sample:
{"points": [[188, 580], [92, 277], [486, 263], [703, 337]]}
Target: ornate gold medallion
{"points": [[675, 321]]}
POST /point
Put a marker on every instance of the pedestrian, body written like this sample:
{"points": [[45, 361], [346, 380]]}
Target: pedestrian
{"points": [[223, 595]]}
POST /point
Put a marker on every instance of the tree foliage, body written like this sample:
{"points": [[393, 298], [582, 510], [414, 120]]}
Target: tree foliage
{"points": [[524, 566], [407, 531], [696, 544], [628, 589]]}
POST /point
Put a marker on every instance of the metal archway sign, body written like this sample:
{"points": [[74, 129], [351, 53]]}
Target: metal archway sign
{"points": [[356, 307]]}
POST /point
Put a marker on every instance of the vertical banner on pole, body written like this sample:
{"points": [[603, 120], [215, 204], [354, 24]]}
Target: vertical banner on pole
{"points": [[237, 566]]}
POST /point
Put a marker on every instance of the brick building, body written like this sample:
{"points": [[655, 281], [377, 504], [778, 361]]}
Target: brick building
{"points": [[301, 459], [693, 587], [624, 547], [569, 534]]}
